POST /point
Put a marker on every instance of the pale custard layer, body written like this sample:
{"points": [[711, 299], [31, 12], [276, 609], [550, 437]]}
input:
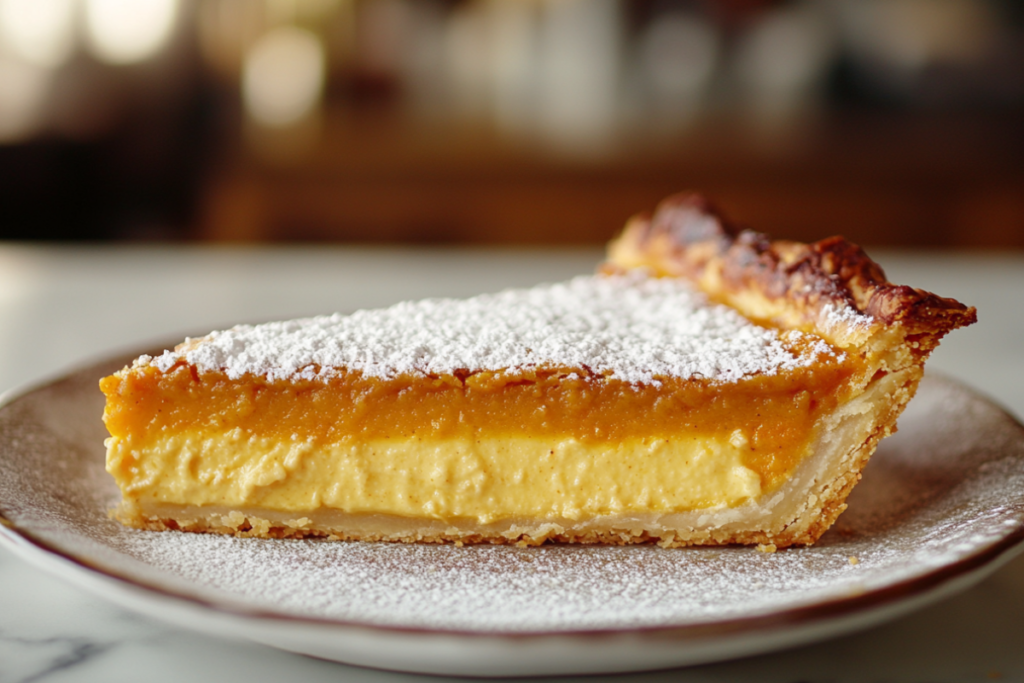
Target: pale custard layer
{"points": [[485, 479]]}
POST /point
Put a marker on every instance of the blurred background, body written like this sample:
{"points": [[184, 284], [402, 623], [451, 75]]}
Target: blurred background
{"points": [[520, 122]]}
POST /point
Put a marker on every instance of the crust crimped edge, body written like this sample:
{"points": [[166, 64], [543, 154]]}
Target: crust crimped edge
{"points": [[830, 287]]}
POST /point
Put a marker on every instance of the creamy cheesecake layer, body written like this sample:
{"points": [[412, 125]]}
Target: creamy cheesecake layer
{"points": [[485, 480]]}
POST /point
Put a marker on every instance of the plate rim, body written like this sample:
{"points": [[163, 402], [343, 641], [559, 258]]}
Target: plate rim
{"points": [[992, 555]]}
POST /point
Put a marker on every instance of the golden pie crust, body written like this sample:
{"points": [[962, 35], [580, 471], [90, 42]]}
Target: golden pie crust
{"points": [[830, 288], [804, 434]]}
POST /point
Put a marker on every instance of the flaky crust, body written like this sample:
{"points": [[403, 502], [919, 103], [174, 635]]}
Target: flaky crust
{"points": [[830, 287]]}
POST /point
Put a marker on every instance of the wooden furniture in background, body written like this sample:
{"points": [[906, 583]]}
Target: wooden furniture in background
{"points": [[897, 179]]}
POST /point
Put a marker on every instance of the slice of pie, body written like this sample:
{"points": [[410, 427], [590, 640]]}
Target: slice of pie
{"points": [[708, 386]]}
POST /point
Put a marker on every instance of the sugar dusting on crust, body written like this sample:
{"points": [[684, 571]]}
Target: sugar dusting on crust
{"points": [[835, 316], [631, 327]]}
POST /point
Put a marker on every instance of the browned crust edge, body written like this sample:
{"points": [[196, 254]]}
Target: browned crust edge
{"points": [[831, 288], [818, 286]]}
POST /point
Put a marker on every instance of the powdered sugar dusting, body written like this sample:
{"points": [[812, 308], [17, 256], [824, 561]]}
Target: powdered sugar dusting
{"points": [[844, 316], [631, 327]]}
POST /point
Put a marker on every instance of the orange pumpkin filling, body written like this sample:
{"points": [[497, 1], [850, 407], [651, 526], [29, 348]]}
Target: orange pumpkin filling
{"points": [[777, 413]]}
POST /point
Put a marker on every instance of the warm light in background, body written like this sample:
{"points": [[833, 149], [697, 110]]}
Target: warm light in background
{"points": [[128, 31], [678, 55], [514, 47], [283, 76], [784, 59], [577, 78], [23, 91], [581, 46], [475, 120], [38, 31], [911, 35]]}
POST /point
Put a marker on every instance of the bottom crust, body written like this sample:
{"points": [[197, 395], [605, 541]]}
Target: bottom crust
{"points": [[797, 513]]}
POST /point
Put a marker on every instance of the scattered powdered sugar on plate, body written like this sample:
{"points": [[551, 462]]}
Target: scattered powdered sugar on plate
{"points": [[632, 327], [552, 588]]}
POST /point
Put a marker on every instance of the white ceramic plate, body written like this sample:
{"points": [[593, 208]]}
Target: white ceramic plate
{"points": [[941, 505]]}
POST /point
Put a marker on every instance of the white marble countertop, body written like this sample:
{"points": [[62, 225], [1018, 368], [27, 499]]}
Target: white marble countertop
{"points": [[60, 307]]}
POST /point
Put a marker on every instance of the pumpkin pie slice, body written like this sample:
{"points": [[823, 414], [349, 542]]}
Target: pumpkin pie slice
{"points": [[708, 386]]}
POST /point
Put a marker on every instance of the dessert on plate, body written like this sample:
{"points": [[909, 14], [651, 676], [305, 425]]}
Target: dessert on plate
{"points": [[707, 386]]}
